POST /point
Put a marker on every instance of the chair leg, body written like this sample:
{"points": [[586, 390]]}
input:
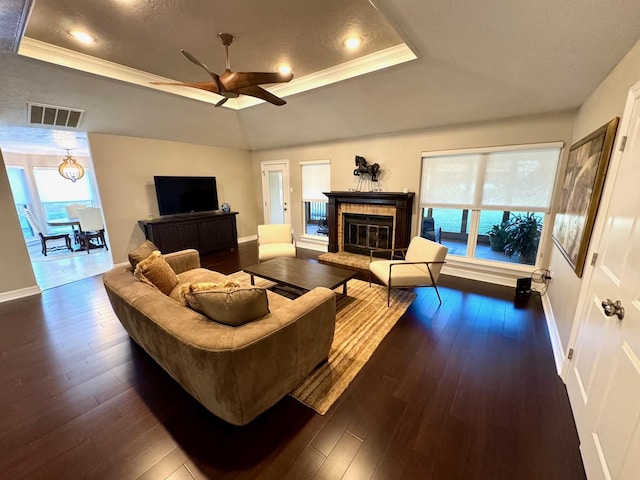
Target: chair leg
{"points": [[389, 296], [437, 293]]}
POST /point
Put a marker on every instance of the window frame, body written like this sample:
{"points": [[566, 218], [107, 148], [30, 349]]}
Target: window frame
{"points": [[469, 261], [303, 201]]}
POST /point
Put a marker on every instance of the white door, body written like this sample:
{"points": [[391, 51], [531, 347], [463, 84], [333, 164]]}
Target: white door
{"points": [[604, 375], [275, 192]]}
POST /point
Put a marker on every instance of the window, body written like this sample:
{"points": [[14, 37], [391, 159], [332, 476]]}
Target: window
{"points": [[316, 179], [19, 189], [489, 204], [57, 192]]}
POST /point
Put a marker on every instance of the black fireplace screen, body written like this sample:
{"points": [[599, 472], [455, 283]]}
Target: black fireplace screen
{"points": [[363, 232]]}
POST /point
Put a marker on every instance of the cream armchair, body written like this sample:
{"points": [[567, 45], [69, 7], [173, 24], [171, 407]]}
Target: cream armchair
{"points": [[275, 240], [419, 267], [91, 228]]}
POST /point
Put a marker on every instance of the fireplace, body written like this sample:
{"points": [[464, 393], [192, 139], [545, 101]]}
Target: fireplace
{"points": [[397, 206], [362, 232]]}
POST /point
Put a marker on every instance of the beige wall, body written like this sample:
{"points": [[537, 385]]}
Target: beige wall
{"points": [[125, 167], [606, 102], [399, 155], [17, 273]]}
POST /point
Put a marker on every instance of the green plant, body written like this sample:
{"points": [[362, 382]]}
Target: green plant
{"points": [[498, 236], [524, 236]]}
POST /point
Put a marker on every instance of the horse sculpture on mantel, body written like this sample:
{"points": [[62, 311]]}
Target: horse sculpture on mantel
{"points": [[363, 169]]}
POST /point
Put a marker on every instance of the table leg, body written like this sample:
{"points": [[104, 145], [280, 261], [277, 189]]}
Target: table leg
{"points": [[253, 282], [344, 289]]}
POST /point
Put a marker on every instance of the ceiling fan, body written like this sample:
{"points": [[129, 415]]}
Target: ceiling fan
{"points": [[232, 84]]}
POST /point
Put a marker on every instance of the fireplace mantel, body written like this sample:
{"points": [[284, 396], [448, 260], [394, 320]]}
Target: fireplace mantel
{"points": [[402, 202]]}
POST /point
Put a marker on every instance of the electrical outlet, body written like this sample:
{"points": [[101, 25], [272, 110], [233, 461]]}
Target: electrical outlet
{"points": [[549, 274]]}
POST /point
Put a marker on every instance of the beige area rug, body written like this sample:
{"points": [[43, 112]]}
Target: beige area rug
{"points": [[362, 321]]}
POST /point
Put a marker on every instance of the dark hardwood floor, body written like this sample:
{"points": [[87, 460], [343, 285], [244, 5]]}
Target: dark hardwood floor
{"points": [[467, 390]]}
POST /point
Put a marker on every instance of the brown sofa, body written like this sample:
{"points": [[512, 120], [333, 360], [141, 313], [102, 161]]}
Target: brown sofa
{"points": [[235, 372]]}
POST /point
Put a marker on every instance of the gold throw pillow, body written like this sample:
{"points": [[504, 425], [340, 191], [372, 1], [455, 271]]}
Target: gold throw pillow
{"points": [[201, 286], [155, 271]]}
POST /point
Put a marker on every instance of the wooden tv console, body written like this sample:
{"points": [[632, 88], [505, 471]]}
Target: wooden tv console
{"points": [[204, 231]]}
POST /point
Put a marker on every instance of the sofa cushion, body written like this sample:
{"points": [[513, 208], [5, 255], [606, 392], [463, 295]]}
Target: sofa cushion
{"points": [[155, 271], [198, 275], [232, 306], [141, 252]]}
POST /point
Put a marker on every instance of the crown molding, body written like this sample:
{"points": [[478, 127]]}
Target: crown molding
{"points": [[46, 52], [64, 57], [369, 63]]}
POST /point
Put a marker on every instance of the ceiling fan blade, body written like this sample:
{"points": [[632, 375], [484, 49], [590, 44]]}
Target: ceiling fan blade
{"points": [[208, 86], [222, 102], [200, 64], [235, 80], [259, 92]]}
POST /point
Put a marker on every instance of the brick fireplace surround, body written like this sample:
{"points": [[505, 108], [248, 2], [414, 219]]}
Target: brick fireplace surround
{"points": [[396, 204]]}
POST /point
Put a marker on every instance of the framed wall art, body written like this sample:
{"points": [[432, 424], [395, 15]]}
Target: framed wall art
{"points": [[581, 191]]}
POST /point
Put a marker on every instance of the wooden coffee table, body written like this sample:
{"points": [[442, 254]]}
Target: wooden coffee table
{"points": [[301, 274]]}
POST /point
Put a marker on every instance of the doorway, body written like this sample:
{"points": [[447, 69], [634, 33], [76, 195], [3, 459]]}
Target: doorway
{"points": [[275, 191], [31, 159], [603, 375]]}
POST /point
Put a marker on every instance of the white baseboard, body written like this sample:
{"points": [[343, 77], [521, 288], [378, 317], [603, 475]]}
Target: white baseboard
{"points": [[554, 336], [20, 293], [250, 238], [506, 274], [488, 277], [311, 245]]}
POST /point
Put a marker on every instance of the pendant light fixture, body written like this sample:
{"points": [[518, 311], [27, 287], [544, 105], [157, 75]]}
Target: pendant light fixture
{"points": [[70, 169]]}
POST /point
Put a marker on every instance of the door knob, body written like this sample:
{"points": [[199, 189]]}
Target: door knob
{"points": [[612, 308]]}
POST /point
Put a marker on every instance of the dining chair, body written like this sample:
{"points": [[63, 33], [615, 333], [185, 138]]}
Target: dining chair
{"points": [[91, 228], [46, 237], [418, 265], [72, 212], [275, 240]]}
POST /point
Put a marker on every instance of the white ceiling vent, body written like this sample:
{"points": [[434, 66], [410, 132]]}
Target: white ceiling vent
{"points": [[41, 114]]}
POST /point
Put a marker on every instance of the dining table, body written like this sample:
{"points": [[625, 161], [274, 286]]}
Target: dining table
{"points": [[62, 222], [67, 222]]}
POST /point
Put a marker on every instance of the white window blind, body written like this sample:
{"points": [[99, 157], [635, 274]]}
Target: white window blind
{"points": [[316, 179], [53, 187], [18, 183], [521, 179]]}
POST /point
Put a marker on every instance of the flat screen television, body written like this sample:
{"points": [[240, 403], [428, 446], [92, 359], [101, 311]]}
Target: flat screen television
{"points": [[185, 194]]}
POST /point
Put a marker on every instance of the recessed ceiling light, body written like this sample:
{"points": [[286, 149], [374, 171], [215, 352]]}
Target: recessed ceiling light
{"points": [[352, 42], [83, 37], [284, 69]]}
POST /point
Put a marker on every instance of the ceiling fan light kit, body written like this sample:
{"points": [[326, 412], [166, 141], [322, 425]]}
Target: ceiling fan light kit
{"points": [[233, 84]]}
